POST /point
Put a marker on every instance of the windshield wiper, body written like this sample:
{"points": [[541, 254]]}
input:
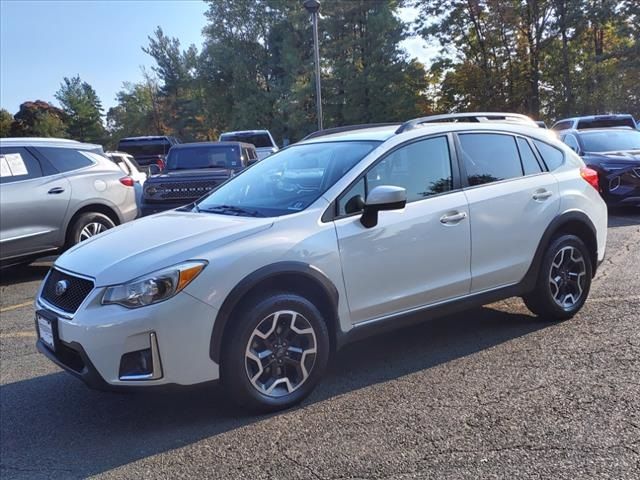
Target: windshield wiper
{"points": [[231, 210]]}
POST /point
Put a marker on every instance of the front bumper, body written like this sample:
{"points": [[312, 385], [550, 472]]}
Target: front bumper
{"points": [[621, 187], [90, 345]]}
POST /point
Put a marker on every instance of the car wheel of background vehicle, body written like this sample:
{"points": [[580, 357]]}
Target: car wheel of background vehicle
{"points": [[563, 281], [88, 225], [276, 352]]}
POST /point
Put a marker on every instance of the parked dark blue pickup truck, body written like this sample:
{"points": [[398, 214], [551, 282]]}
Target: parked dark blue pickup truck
{"points": [[192, 170]]}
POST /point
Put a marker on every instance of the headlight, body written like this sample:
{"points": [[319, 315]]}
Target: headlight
{"points": [[155, 287]]}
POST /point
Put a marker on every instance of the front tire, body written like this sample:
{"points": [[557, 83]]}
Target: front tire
{"points": [[563, 281], [88, 225], [276, 352]]}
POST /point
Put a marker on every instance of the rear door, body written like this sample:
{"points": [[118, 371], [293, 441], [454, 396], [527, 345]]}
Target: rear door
{"points": [[512, 199], [33, 203]]}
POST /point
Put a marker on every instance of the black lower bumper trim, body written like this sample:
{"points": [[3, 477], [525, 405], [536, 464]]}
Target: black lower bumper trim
{"points": [[83, 370]]}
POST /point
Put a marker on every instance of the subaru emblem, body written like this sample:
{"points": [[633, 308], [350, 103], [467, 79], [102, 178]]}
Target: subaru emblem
{"points": [[61, 287]]}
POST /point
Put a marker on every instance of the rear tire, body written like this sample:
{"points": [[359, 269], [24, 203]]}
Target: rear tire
{"points": [[276, 352], [563, 281], [88, 225]]}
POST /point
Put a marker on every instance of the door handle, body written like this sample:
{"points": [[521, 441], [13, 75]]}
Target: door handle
{"points": [[453, 218], [542, 194], [56, 190]]}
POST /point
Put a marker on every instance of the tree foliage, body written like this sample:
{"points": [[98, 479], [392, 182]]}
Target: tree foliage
{"points": [[38, 119], [255, 70], [6, 119], [546, 58], [83, 110]]}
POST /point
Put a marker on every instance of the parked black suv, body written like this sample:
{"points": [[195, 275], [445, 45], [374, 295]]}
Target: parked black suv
{"points": [[148, 150], [193, 170]]}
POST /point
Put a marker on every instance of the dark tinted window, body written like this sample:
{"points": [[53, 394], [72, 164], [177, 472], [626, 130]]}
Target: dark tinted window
{"points": [[490, 157], [17, 164], [141, 148], [529, 162], [423, 168], [607, 122], [186, 158], [66, 159], [551, 155], [256, 139]]}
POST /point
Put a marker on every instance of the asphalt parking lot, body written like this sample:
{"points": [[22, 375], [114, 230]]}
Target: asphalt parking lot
{"points": [[491, 393]]}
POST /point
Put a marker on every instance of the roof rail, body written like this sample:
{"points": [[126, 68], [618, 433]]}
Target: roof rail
{"points": [[347, 128], [467, 117]]}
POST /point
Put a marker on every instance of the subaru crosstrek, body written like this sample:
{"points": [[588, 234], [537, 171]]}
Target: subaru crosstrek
{"points": [[346, 233]]}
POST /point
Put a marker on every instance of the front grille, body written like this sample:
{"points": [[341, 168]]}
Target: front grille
{"points": [[76, 290], [180, 190]]}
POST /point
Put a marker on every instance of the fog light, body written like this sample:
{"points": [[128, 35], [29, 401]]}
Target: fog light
{"points": [[142, 364], [136, 363], [614, 183]]}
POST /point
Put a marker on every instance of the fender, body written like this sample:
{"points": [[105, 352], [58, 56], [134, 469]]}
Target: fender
{"points": [[529, 280], [259, 276]]}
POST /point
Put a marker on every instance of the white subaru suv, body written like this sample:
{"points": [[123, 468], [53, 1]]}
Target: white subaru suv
{"points": [[348, 232]]}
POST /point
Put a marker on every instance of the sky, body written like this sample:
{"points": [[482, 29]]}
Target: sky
{"points": [[43, 41]]}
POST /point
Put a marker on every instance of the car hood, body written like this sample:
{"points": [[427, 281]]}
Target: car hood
{"points": [[152, 243], [630, 157]]}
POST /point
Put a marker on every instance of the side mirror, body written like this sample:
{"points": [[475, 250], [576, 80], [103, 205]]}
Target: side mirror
{"points": [[154, 169], [384, 197]]}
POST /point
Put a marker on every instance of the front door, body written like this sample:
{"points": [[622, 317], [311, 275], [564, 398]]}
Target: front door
{"points": [[413, 257]]}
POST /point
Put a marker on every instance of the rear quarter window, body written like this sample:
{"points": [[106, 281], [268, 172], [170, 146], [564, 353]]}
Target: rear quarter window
{"points": [[65, 159], [552, 156]]}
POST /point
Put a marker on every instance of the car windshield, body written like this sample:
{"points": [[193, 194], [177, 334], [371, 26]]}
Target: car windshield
{"points": [[611, 141], [214, 156], [288, 181], [256, 139]]}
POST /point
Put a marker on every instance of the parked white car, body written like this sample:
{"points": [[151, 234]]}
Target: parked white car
{"points": [[336, 237], [129, 166], [261, 139]]}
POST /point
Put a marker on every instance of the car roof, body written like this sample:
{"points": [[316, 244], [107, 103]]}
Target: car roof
{"points": [[46, 142], [384, 133], [578, 131], [148, 138], [210, 144], [244, 132], [595, 117]]}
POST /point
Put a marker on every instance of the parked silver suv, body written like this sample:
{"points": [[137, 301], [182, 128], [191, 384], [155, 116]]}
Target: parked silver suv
{"points": [[55, 193]]}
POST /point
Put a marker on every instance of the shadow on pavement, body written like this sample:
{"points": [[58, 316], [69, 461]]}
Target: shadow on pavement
{"points": [[623, 216], [55, 425], [23, 273]]}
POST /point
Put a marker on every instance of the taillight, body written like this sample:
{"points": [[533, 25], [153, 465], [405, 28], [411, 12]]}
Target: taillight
{"points": [[127, 181], [160, 163], [591, 176]]}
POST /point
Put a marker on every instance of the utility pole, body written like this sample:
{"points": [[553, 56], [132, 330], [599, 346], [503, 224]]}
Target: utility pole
{"points": [[313, 7]]}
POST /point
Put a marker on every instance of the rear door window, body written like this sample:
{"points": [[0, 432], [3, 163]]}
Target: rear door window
{"points": [[66, 159], [17, 164], [489, 157]]}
